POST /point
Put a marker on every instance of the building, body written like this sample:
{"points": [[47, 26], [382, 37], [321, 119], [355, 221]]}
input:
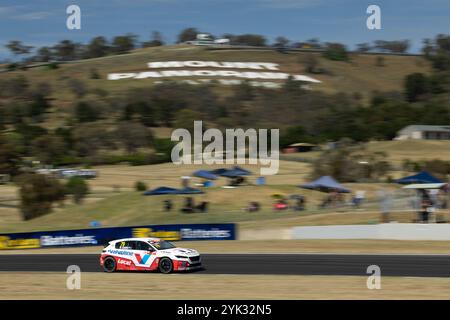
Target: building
{"points": [[424, 132], [205, 39]]}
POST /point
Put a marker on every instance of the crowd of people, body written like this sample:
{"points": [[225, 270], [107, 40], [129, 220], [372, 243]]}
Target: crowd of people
{"points": [[188, 207]]}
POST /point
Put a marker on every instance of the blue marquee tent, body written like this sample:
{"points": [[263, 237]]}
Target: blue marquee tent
{"points": [[242, 170], [325, 184], [205, 174], [161, 191], [168, 190], [219, 171], [189, 190], [421, 177], [235, 172]]}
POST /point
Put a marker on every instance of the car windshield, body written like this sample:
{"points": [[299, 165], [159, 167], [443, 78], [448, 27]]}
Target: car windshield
{"points": [[162, 245]]}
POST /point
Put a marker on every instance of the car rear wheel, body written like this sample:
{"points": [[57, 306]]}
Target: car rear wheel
{"points": [[165, 265], [109, 265]]}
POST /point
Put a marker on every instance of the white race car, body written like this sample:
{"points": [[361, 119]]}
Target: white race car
{"points": [[148, 254]]}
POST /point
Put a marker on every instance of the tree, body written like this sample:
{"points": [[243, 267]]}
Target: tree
{"points": [[78, 188], [281, 41], [133, 136], [29, 132], [123, 44], [156, 40], [49, 148], [9, 157], [84, 112], [16, 87], [44, 54], [18, 48], [292, 135], [77, 87], [349, 162], [363, 47], [336, 51], [97, 47], [416, 85], [396, 46], [314, 43], [38, 106], [185, 119], [140, 186], [141, 111], [37, 194], [188, 34], [311, 63], [65, 50], [89, 138], [438, 52], [255, 40]]}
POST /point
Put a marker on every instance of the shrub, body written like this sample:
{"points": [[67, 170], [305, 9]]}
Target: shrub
{"points": [[140, 186], [336, 52], [78, 188], [37, 194]]}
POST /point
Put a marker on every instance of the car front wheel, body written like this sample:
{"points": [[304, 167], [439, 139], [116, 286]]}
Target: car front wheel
{"points": [[165, 265]]}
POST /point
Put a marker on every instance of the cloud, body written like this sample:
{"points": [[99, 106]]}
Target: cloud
{"points": [[7, 10], [38, 15]]}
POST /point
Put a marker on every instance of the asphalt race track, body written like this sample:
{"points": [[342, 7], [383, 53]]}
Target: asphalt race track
{"points": [[282, 264]]}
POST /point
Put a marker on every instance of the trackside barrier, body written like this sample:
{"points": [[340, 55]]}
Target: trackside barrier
{"points": [[388, 231], [101, 236]]}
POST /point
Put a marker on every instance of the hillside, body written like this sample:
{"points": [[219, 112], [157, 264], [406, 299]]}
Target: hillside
{"points": [[360, 75]]}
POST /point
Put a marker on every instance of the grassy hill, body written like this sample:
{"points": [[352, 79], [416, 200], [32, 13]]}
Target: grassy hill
{"points": [[360, 75]]}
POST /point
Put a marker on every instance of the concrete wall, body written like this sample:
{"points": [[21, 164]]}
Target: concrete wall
{"points": [[393, 231]]}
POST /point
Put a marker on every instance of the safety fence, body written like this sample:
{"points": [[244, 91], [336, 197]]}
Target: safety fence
{"points": [[101, 236]]}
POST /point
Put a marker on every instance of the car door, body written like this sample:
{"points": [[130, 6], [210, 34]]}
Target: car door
{"points": [[123, 252], [144, 254]]}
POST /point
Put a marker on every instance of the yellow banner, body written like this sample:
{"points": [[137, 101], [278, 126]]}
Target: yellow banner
{"points": [[7, 243], [149, 233]]}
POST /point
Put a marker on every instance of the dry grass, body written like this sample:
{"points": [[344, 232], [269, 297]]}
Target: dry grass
{"points": [[180, 286], [415, 150], [131, 208], [360, 75], [226, 205]]}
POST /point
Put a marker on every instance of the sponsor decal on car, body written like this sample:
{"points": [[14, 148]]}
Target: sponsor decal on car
{"points": [[121, 252], [124, 262], [141, 259]]}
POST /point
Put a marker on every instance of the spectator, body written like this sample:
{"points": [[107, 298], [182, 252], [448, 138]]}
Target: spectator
{"points": [[280, 205], [253, 206], [300, 203], [188, 205], [203, 207], [426, 209], [385, 205], [168, 205]]}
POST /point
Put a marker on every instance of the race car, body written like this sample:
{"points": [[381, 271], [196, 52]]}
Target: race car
{"points": [[148, 254]]}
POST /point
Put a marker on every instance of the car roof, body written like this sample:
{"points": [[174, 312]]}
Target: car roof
{"points": [[138, 239]]}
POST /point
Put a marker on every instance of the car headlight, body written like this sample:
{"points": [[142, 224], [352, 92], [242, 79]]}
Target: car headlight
{"points": [[181, 257]]}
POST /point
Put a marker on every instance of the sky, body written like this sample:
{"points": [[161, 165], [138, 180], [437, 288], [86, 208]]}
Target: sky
{"points": [[43, 22]]}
